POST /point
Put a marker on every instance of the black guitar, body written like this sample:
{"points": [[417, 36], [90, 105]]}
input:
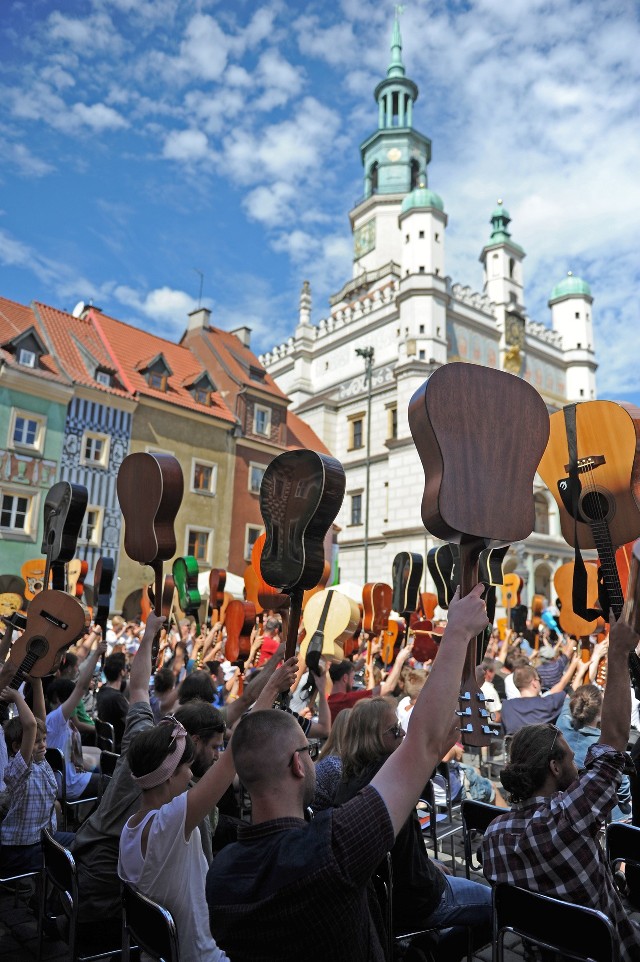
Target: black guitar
{"points": [[406, 574], [64, 508]]}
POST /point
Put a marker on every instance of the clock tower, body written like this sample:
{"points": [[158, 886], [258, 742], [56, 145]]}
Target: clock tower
{"points": [[395, 160]]}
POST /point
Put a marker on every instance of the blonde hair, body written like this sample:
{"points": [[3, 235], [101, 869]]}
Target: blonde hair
{"points": [[335, 742], [363, 739]]}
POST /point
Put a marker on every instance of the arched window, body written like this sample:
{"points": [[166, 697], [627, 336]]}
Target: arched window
{"points": [[543, 581], [512, 267], [373, 176], [541, 525], [415, 173]]}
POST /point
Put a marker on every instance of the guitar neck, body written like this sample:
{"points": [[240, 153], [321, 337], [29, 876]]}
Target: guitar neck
{"points": [[476, 727], [607, 556]]}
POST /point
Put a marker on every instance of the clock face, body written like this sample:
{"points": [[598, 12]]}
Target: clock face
{"points": [[364, 239], [394, 155]]}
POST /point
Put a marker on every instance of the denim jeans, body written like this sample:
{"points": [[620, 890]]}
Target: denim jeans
{"points": [[463, 902]]}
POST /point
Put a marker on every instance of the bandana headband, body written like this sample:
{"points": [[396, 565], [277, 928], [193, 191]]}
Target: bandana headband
{"points": [[167, 768]]}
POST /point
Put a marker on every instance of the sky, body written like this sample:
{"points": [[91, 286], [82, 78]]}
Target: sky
{"points": [[160, 154]]}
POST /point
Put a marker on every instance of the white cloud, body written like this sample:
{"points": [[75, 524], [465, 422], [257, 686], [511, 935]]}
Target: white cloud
{"points": [[203, 52], [165, 306], [86, 35], [271, 205], [185, 145], [20, 158], [99, 116]]}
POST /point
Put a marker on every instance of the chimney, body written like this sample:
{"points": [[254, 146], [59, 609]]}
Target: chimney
{"points": [[199, 320], [243, 334]]}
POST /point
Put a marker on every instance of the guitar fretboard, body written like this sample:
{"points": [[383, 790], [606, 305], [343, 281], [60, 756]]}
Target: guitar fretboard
{"points": [[607, 556]]}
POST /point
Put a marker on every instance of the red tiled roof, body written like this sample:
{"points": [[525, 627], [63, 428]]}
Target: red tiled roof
{"points": [[14, 320], [129, 345], [238, 360], [300, 435]]}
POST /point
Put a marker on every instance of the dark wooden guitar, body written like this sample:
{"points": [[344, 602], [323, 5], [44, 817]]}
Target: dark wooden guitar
{"points": [[150, 489], [442, 562], [102, 582], [64, 508], [406, 575], [377, 598], [459, 445], [217, 581], [300, 495], [597, 490]]}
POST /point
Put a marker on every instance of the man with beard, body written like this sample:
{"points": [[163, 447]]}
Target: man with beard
{"points": [[288, 882]]}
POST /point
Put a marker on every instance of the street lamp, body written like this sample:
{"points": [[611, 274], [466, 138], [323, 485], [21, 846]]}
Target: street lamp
{"points": [[367, 354]]}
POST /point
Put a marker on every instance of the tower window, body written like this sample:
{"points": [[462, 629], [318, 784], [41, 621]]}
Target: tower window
{"points": [[512, 267], [421, 355], [373, 176], [436, 238], [356, 509], [581, 392], [577, 315], [407, 272], [437, 271], [421, 269], [421, 328], [406, 238], [415, 173], [421, 234], [579, 344]]}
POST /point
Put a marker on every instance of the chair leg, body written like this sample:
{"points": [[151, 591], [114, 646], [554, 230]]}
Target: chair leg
{"points": [[41, 912]]}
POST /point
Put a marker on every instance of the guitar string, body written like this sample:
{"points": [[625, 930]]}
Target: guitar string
{"points": [[607, 563]]}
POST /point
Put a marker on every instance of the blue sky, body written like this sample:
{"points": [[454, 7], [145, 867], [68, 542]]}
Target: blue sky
{"points": [[145, 141]]}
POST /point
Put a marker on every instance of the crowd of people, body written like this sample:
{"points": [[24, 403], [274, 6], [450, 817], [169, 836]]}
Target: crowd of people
{"points": [[256, 800]]}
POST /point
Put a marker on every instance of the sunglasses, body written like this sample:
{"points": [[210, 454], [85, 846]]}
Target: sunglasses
{"points": [[397, 731]]}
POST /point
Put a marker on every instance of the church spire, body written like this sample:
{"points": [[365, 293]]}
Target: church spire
{"points": [[396, 67]]}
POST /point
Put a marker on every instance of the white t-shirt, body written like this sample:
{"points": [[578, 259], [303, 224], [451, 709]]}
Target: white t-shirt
{"points": [[510, 689], [403, 711], [60, 735], [172, 873]]}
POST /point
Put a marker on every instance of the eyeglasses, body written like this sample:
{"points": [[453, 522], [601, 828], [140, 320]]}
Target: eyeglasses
{"points": [[306, 748], [397, 731]]}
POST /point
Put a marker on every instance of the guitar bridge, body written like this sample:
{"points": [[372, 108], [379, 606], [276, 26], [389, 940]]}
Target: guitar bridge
{"points": [[54, 620], [585, 464]]}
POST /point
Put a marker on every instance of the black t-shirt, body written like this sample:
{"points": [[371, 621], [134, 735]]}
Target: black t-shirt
{"points": [[113, 707]]}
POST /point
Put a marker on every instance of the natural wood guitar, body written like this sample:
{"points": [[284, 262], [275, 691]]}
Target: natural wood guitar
{"points": [[330, 619]]}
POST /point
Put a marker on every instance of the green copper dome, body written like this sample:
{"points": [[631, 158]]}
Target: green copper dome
{"points": [[570, 286], [421, 197]]}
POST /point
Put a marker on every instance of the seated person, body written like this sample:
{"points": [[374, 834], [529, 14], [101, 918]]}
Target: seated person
{"points": [[111, 704], [31, 785], [532, 707]]}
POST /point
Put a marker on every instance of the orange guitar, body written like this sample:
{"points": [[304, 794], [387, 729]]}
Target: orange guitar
{"points": [[389, 637], [570, 622], [376, 604], [77, 571], [33, 573], [511, 588]]}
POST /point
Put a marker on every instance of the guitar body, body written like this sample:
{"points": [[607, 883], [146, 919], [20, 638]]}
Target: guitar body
{"points": [[537, 607], [442, 562], [150, 489], [240, 619], [609, 471], [33, 573], [185, 576], [54, 621], [389, 638], [64, 508], [376, 604], [77, 571], [263, 596], [511, 590], [10, 602], [570, 622], [322, 584], [458, 426], [217, 581], [102, 584], [427, 604], [334, 616], [406, 575], [424, 646]]}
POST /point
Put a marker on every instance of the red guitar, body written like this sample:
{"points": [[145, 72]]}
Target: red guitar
{"points": [[459, 450], [217, 581], [376, 603], [240, 620]]}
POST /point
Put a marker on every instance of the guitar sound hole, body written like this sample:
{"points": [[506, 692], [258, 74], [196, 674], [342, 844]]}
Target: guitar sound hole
{"points": [[38, 646], [595, 506]]}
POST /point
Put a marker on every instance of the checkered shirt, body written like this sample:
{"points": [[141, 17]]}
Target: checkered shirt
{"points": [[550, 845], [32, 793]]}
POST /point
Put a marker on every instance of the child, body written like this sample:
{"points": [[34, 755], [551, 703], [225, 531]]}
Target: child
{"points": [[31, 784]]}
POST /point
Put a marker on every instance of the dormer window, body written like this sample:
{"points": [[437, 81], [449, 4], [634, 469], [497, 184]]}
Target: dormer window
{"points": [[201, 390], [157, 380], [201, 395], [104, 378], [26, 358], [256, 373], [156, 372]]}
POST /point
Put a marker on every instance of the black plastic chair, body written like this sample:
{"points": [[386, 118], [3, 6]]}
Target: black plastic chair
{"points": [[476, 817], [13, 880], [55, 758], [439, 823], [60, 873], [148, 925], [622, 845], [573, 931], [105, 735]]}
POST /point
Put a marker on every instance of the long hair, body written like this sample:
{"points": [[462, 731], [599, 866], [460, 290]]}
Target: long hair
{"points": [[585, 706], [363, 739], [532, 748], [149, 749], [334, 744]]}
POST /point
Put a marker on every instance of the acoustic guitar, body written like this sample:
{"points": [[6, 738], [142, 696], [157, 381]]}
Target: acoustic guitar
{"points": [[185, 572], [263, 596], [217, 581], [406, 575], [459, 450], [64, 509], [240, 620], [330, 619], [102, 582], [376, 603], [389, 639], [54, 621], [33, 572], [427, 604], [591, 465], [150, 489], [512, 585], [77, 571], [300, 495], [570, 622]]}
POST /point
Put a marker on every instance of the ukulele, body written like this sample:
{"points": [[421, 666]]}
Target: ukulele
{"points": [[592, 468], [150, 489], [459, 451], [240, 620], [185, 576], [406, 577], [330, 619], [376, 604], [300, 495]]}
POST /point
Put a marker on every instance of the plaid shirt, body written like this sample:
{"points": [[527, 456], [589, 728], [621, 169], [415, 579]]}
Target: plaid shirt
{"points": [[290, 889], [32, 793], [550, 845]]}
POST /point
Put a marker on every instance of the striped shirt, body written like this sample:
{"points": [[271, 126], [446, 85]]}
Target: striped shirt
{"points": [[32, 794], [551, 845]]}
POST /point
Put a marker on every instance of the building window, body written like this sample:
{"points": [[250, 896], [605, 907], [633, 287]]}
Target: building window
{"points": [[541, 525], [422, 356], [203, 477], [199, 544], [26, 358], [91, 527], [251, 535], [421, 270], [95, 449], [256, 474], [17, 512], [577, 315], [356, 509], [201, 395], [357, 433], [436, 238], [104, 378], [406, 238], [421, 329], [26, 430], [392, 427], [261, 420], [421, 234]]}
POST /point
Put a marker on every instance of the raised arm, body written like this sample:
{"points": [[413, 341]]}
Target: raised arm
{"points": [[251, 691], [140, 674], [568, 675], [29, 727], [84, 680], [390, 682], [615, 719], [322, 727], [210, 789], [39, 707], [281, 679], [433, 726]]}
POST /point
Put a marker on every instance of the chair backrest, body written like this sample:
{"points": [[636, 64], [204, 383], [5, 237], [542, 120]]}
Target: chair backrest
{"points": [[574, 931], [108, 762], [149, 925], [622, 844], [105, 735], [55, 758], [60, 871], [476, 818], [382, 881]]}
